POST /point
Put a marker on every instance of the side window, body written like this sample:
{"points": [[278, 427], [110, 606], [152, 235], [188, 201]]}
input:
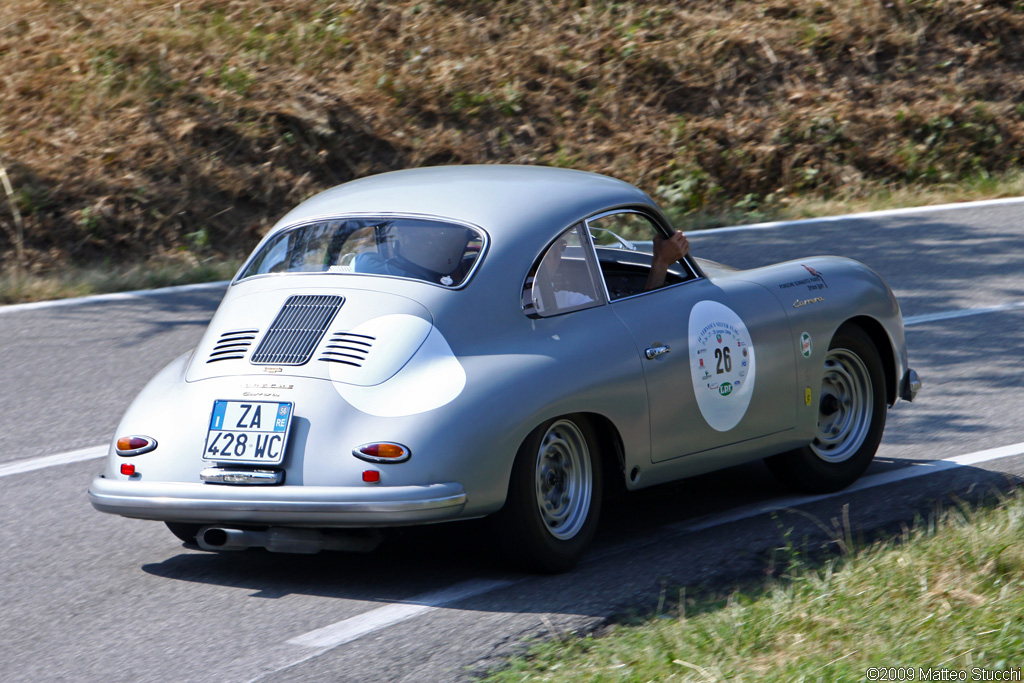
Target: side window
{"points": [[564, 279], [625, 243]]}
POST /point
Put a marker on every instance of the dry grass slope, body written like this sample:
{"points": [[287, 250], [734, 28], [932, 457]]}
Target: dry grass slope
{"points": [[141, 127]]}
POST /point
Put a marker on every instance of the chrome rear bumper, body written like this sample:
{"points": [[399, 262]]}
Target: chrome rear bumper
{"points": [[325, 506]]}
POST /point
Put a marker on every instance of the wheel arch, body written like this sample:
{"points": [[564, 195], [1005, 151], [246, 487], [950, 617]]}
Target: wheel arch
{"points": [[886, 351], [611, 451]]}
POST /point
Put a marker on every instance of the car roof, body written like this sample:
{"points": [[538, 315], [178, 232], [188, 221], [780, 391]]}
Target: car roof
{"points": [[532, 202]]}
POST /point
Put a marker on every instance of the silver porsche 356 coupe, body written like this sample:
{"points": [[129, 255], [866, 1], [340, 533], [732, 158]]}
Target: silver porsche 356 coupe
{"points": [[450, 343]]}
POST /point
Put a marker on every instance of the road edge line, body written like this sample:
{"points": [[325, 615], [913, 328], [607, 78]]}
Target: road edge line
{"points": [[770, 225], [113, 296], [883, 213], [33, 464], [918, 469], [347, 630]]}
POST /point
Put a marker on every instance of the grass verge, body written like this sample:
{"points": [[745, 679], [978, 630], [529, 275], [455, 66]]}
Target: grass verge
{"points": [[20, 287], [880, 197], [945, 596], [128, 127]]}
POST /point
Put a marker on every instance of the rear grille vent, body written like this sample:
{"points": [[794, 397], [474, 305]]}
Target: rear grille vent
{"points": [[347, 348], [232, 345], [297, 330]]}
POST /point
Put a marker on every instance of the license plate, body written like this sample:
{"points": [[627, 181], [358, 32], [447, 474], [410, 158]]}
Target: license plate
{"points": [[254, 432]]}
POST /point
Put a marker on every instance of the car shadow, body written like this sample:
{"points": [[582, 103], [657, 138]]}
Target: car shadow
{"points": [[643, 541]]}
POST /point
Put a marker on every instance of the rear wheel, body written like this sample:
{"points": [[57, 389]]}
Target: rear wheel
{"points": [[554, 496], [851, 418]]}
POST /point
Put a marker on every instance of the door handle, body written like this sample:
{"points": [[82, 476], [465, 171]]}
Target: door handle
{"points": [[656, 351]]}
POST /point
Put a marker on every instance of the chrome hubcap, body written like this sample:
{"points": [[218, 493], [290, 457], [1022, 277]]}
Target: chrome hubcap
{"points": [[845, 407], [564, 481]]}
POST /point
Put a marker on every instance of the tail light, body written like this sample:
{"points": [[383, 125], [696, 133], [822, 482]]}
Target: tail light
{"points": [[127, 446], [383, 452]]}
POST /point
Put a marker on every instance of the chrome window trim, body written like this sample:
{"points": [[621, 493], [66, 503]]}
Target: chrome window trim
{"points": [[695, 275], [589, 257], [593, 265], [383, 215]]}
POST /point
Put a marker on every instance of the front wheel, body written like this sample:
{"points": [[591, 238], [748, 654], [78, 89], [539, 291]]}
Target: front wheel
{"points": [[851, 417], [554, 496]]}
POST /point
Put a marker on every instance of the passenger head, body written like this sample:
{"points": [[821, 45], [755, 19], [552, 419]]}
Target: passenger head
{"points": [[437, 248]]}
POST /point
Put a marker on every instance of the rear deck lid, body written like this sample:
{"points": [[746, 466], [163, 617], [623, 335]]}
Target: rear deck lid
{"points": [[352, 336]]}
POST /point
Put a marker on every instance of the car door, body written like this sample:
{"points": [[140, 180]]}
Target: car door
{"points": [[717, 356]]}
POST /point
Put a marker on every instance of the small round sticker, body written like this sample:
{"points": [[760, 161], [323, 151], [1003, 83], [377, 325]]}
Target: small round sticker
{"points": [[805, 344], [721, 364]]}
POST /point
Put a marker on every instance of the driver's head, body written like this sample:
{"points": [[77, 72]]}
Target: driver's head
{"points": [[437, 248]]}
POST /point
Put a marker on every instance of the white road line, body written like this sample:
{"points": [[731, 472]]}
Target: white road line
{"points": [[773, 225], [938, 208], [960, 313], [32, 464], [868, 482], [347, 630], [117, 296], [99, 451]]}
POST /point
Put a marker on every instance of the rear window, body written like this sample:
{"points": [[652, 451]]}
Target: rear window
{"points": [[438, 252]]}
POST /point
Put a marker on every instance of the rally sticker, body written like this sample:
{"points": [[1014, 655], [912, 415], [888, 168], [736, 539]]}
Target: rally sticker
{"points": [[805, 345], [721, 364]]}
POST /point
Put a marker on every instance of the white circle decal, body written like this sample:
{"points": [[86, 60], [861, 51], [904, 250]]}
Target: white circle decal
{"points": [[721, 364]]}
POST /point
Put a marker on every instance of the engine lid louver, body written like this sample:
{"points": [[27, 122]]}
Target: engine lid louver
{"points": [[232, 345], [347, 348], [297, 329]]}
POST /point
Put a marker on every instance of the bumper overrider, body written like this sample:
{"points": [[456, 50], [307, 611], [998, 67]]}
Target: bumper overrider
{"points": [[327, 506], [910, 385]]}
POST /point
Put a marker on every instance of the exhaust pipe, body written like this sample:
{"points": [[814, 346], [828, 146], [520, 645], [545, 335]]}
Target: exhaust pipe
{"points": [[285, 540]]}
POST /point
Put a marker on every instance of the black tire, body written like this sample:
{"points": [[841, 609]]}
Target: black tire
{"points": [[851, 418], [184, 531], [557, 468]]}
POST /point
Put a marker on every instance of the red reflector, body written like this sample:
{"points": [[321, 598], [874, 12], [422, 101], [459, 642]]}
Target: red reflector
{"points": [[127, 469], [371, 476]]}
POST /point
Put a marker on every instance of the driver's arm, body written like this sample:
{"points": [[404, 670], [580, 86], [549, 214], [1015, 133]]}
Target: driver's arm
{"points": [[666, 252]]}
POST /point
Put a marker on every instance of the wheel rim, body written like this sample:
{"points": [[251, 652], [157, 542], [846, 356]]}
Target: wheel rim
{"points": [[845, 408], [563, 479]]}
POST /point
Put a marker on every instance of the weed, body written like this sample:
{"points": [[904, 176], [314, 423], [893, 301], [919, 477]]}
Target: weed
{"points": [[236, 79]]}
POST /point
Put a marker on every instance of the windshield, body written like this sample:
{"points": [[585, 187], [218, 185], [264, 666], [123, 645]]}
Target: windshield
{"points": [[433, 251]]}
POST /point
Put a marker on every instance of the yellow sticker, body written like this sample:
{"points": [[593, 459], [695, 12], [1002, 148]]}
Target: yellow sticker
{"points": [[807, 396]]}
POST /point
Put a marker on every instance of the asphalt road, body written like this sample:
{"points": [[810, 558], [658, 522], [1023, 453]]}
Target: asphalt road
{"points": [[92, 597]]}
